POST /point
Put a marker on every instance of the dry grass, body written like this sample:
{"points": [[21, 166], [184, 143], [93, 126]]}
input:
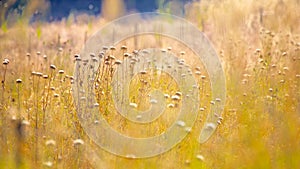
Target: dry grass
{"points": [[258, 43]]}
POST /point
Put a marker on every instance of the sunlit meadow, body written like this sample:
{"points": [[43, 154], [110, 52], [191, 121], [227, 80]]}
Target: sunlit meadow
{"points": [[258, 43]]}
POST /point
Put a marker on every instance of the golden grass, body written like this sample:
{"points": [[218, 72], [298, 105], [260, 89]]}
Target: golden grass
{"points": [[258, 43]]}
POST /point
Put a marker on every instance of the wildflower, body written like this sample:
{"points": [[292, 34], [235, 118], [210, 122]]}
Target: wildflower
{"points": [[78, 142], [130, 156], [138, 116], [112, 57], [104, 47], [118, 62], [19, 81], [92, 54], [5, 62], [126, 54], [134, 105], [39, 74], [284, 54], [123, 47], [178, 94], [200, 157], [25, 123], [96, 105], [188, 129], [143, 72], [180, 123], [61, 71], [163, 50], [166, 96], [210, 126], [50, 143], [170, 105], [112, 48], [175, 97], [48, 164], [53, 67], [153, 101], [135, 51]]}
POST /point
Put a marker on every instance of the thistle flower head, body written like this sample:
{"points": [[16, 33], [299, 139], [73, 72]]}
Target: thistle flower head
{"points": [[78, 142], [61, 71], [50, 143], [19, 81], [104, 47], [200, 157], [48, 164], [53, 67], [112, 48], [118, 62], [5, 62]]}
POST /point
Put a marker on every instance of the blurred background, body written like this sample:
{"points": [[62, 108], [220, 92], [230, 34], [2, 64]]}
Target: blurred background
{"points": [[56, 10]]}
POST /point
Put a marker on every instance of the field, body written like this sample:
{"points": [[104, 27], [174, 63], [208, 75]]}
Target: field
{"points": [[258, 43]]}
